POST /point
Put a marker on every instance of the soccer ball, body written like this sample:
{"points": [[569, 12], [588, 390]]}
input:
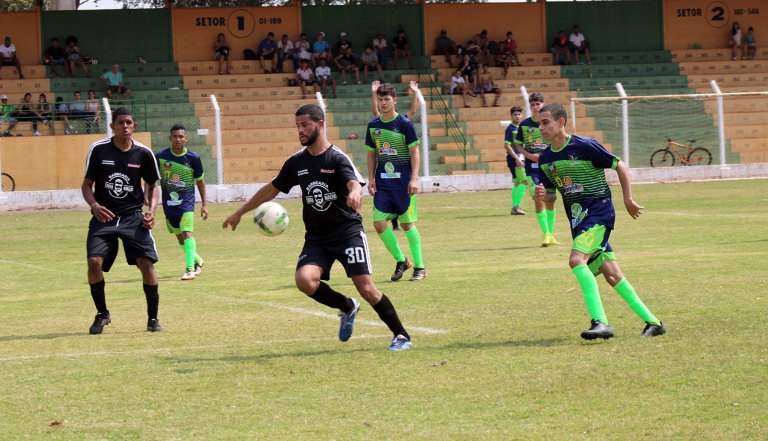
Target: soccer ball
{"points": [[272, 218]]}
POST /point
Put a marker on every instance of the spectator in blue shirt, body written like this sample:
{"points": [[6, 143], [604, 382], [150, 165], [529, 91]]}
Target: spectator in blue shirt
{"points": [[321, 48], [268, 50]]}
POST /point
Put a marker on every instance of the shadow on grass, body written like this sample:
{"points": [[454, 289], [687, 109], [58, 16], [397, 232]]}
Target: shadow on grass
{"points": [[41, 336], [544, 342], [471, 250]]}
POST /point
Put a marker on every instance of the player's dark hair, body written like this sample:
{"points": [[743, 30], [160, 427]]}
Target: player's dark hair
{"points": [[514, 109], [386, 89], [120, 111], [555, 109], [77, 91], [177, 127], [535, 97], [313, 110]]}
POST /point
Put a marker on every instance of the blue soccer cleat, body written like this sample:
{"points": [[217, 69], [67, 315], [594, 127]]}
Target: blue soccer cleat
{"points": [[348, 321], [400, 343]]}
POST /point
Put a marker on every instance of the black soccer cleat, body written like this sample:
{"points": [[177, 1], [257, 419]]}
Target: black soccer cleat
{"points": [[653, 330], [154, 326], [99, 322], [400, 268], [597, 330]]}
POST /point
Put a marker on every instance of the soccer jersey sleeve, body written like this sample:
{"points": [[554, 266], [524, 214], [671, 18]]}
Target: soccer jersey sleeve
{"points": [[411, 140], [369, 139], [197, 168], [91, 164], [600, 157], [519, 135], [150, 172], [286, 179]]}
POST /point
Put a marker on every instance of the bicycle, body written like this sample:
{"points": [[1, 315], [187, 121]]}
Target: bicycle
{"points": [[690, 155], [8, 183]]}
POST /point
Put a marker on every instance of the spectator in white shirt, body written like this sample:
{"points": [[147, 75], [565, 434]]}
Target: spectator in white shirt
{"points": [[8, 56], [459, 86], [323, 75], [381, 49], [579, 45], [306, 78], [286, 49]]}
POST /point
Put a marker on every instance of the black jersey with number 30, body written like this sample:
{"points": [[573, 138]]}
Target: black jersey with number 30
{"points": [[323, 180], [117, 175]]}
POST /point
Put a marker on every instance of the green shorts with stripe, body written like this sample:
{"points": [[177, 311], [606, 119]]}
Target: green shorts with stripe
{"points": [[180, 224], [594, 243], [411, 215]]}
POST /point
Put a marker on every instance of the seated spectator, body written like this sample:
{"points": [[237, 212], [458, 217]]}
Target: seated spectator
{"points": [[468, 69], [303, 49], [402, 48], [62, 113], [459, 86], [93, 110], [55, 57], [77, 109], [347, 62], [579, 45], [560, 48], [381, 49], [114, 82], [25, 111], [734, 42], [370, 60], [321, 48], [74, 57], [751, 43], [324, 77], [286, 49], [268, 51], [445, 46], [6, 115], [306, 78], [486, 85], [43, 111], [8, 56], [343, 43], [222, 54], [507, 54], [473, 46]]}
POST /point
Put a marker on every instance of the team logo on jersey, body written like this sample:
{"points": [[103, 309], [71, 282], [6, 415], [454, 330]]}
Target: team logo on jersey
{"points": [[173, 200], [376, 133], [118, 185], [167, 164], [389, 172], [386, 149], [318, 196], [176, 181], [571, 187], [577, 215]]}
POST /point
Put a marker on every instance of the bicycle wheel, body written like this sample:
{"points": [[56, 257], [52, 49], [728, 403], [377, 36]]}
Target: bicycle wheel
{"points": [[699, 156], [8, 184], [662, 158]]}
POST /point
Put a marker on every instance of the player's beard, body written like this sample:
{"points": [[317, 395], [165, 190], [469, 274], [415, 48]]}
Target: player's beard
{"points": [[312, 137]]}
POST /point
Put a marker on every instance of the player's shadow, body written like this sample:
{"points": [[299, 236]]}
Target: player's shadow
{"points": [[263, 356], [40, 336], [468, 344], [502, 214], [475, 250]]}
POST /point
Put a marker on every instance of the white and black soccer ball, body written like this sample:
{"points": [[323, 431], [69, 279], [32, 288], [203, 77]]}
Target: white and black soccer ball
{"points": [[272, 218]]}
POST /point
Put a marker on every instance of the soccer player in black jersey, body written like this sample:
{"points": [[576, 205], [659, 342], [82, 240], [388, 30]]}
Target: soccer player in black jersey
{"points": [[332, 193], [112, 187]]}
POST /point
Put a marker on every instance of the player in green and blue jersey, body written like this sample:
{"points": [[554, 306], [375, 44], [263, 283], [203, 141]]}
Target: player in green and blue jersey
{"points": [[515, 161], [181, 170], [575, 167], [531, 145], [393, 173]]}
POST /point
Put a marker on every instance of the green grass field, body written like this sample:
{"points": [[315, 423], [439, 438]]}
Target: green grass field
{"points": [[496, 355]]}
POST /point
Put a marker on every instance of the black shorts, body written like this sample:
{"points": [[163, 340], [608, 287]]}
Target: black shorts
{"points": [[117, 89], [351, 251], [137, 240]]}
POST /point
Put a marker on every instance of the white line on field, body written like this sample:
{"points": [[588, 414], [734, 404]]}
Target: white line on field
{"points": [[24, 264], [418, 329], [180, 348]]}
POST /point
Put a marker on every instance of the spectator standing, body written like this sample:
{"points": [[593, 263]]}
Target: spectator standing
{"points": [[268, 51], [324, 77], [286, 49], [445, 46], [402, 49], [306, 78], [370, 60], [560, 48], [114, 82], [381, 49], [347, 62], [321, 48], [55, 57], [735, 41], [74, 57], [751, 43], [8, 56], [579, 45], [223, 54]]}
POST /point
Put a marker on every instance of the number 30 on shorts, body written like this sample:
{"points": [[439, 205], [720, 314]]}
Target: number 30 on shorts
{"points": [[356, 255]]}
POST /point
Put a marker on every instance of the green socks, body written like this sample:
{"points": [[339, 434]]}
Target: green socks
{"points": [[518, 193], [627, 292], [414, 243], [190, 251], [588, 285], [550, 220], [542, 219], [390, 241]]}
